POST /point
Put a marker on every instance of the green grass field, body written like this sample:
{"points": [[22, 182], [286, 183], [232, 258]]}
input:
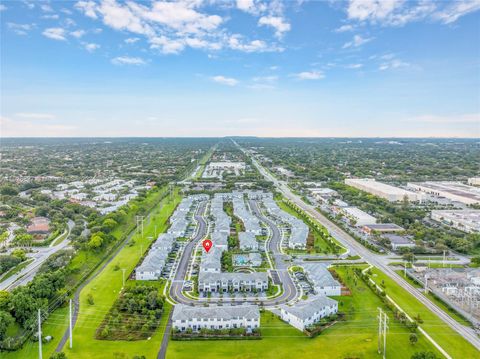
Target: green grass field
{"points": [[451, 342], [354, 338], [105, 289]]}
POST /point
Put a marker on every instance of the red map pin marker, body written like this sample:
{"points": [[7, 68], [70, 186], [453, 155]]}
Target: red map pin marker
{"points": [[207, 244]]}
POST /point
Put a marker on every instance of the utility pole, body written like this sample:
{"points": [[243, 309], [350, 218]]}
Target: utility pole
{"points": [[385, 328], [123, 277], [70, 324], [140, 220], [405, 269], [380, 330], [444, 251], [39, 335], [426, 283]]}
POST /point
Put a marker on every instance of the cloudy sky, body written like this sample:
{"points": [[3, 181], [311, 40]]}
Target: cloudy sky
{"points": [[247, 67]]}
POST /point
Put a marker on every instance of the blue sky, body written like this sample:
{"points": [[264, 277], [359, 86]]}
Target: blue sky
{"points": [[217, 68]]}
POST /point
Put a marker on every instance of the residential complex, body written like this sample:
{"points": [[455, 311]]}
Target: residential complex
{"points": [[388, 192], [463, 220], [232, 282], [215, 317], [306, 313], [454, 191]]}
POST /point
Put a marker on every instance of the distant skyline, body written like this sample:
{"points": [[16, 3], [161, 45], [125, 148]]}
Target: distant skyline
{"points": [[358, 68]]}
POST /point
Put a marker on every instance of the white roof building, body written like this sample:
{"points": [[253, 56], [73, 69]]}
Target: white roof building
{"points": [[463, 220], [454, 191], [388, 192], [305, 313], [215, 317], [360, 217], [248, 242]]}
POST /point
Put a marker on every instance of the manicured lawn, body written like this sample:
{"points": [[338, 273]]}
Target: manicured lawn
{"points": [[354, 338], [437, 301], [451, 342], [105, 289]]}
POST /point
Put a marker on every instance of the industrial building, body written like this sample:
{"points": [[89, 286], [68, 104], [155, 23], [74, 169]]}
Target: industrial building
{"points": [[360, 217], [216, 317], [454, 191], [463, 220], [474, 181], [382, 228], [397, 242], [388, 192]]}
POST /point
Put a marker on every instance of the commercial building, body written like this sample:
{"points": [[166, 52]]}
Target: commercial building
{"points": [[39, 225], [398, 242], [463, 220], [454, 191], [235, 282], [382, 228], [358, 216], [306, 313], [388, 192], [215, 317], [474, 181]]}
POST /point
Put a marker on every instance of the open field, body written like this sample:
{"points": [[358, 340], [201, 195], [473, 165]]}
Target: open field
{"points": [[450, 340], [105, 288], [354, 338]]}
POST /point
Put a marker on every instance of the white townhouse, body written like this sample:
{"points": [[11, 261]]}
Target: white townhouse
{"points": [[305, 313], [215, 317], [236, 282], [248, 241]]}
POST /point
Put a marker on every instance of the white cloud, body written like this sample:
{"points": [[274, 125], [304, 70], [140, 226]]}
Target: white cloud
{"points": [[131, 40], [344, 28], [78, 33], [88, 8], [251, 6], [126, 60], [3, 7], [354, 66], [50, 17], [20, 29], [46, 8], [357, 41], [401, 12], [393, 64], [456, 10], [167, 45], [55, 33], [35, 115], [271, 78], [229, 81], [277, 22], [235, 43], [310, 75], [91, 47]]}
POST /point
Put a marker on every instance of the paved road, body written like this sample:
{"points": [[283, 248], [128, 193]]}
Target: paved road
{"points": [[166, 337], [43, 253], [374, 259]]}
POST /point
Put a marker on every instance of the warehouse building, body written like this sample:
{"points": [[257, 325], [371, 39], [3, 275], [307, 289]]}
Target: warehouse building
{"points": [[463, 220], [454, 191], [388, 192], [360, 217]]}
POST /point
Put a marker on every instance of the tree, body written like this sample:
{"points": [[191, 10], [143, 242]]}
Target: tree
{"points": [[413, 338], [8, 190], [109, 224], [19, 253], [60, 355], [424, 355], [5, 321], [95, 242]]}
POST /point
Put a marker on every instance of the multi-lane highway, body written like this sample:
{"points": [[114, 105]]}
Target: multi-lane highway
{"points": [[372, 258]]}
